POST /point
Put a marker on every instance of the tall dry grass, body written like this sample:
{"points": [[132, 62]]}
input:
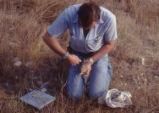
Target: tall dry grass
{"points": [[22, 26]]}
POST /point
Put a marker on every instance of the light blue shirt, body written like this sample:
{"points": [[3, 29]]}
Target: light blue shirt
{"points": [[104, 30]]}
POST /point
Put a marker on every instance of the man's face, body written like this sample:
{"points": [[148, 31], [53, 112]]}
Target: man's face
{"points": [[91, 26]]}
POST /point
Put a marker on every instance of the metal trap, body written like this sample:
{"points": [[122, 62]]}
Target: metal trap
{"points": [[37, 99]]}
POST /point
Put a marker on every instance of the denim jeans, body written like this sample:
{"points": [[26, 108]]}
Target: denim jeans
{"points": [[98, 83]]}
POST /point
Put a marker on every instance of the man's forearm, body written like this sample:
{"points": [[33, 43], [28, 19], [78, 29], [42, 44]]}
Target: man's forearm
{"points": [[54, 44], [103, 50]]}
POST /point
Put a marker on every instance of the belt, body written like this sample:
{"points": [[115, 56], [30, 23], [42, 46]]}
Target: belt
{"points": [[86, 55]]}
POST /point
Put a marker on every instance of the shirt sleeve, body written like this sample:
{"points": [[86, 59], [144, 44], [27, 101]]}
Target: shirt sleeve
{"points": [[111, 32], [59, 26]]}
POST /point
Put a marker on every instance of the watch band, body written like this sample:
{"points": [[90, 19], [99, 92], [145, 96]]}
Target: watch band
{"points": [[91, 60], [65, 55]]}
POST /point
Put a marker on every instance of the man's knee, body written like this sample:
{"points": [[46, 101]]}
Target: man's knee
{"points": [[74, 95], [96, 94], [74, 92]]}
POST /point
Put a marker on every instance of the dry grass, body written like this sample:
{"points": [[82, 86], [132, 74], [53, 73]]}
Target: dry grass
{"points": [[23, 24]]}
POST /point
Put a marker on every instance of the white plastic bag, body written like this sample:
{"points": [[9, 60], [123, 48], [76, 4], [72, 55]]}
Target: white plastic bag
{"points": [[115, 98]]}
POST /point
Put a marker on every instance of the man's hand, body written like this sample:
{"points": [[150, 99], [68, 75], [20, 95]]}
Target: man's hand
{"points": [[73, 59], [86, 67]]}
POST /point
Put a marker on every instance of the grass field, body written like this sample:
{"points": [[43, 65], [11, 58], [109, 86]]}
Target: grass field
{"points": [[134, 58]]}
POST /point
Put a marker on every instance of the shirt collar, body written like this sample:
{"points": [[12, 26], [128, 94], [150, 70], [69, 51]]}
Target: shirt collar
{"points": [[101, 20], [75, 19]]}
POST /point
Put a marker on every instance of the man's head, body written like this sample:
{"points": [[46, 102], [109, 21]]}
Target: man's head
{"points": [[88, 14]]}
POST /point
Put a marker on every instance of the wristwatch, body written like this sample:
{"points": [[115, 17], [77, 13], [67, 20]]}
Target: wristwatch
{"points": [[91, 60], [65, 55]]}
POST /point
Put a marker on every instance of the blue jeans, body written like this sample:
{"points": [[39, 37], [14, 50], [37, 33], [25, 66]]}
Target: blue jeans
{"points": [[99, 79]]}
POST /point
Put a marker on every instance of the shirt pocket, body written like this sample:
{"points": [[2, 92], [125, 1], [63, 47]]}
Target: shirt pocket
{"points": [[95, 44], [98, 38]]}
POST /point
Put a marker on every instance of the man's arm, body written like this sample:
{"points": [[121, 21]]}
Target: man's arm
{"points": [[55, 46], [103, 50], [107, 47]]}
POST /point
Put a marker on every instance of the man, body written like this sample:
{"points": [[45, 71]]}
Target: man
{"points": [[92, 35]]}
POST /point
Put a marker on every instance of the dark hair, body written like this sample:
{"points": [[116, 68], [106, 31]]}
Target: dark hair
{"points": [[88, 12]]}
